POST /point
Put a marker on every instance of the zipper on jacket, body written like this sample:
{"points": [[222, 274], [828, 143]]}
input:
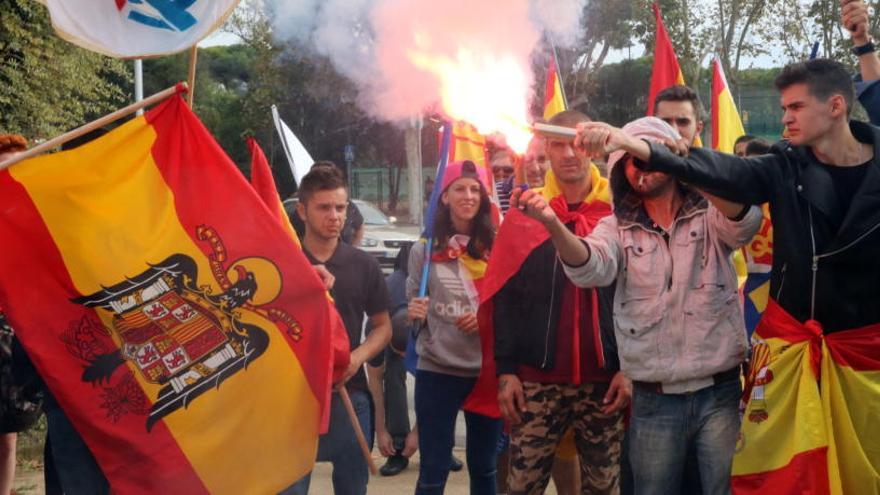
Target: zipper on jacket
{"points": [[550, 315], [817, 257], [781, 282]]}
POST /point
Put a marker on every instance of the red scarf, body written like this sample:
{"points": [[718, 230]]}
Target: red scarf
{"points": [[585, 220]]}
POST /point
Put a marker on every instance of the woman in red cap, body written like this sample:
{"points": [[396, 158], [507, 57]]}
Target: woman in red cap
{"points": [[449, 345]]}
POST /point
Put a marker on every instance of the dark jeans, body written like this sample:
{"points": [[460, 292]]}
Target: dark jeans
{"points": [[340, 447], [75, 466], [438, 398], [396, 411], [665, 427]]}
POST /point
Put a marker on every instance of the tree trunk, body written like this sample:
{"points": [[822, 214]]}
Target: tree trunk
{"points": [[413, 142]]}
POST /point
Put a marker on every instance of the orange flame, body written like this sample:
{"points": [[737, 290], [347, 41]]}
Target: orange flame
{"points": [[488, 90]]}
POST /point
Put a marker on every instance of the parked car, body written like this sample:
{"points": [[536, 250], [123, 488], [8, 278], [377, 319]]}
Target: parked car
{"points": [[383, 236]]}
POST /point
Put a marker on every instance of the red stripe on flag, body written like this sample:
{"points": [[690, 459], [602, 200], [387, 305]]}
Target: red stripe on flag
{"points": [[35, 293], [718, 85], [666, 70], [806, 473], [550, 85], [859, 349], [182, 143]]}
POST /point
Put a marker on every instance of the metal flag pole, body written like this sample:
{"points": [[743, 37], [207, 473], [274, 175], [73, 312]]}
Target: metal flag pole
{"points": [[91, 126], [139, 83]]}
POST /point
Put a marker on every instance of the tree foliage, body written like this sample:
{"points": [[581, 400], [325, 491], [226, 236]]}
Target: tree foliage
{"points": [[47, 85]]}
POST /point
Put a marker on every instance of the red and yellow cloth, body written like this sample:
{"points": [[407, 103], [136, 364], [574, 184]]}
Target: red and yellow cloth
{"points": [[173, 317], [810, 424], [518, 236]]}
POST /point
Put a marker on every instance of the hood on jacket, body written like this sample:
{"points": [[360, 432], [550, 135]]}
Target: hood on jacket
{"points": [[625, 200]]}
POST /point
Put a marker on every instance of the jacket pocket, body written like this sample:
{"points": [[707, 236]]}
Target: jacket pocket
{"points": [[644, 268], [638, 322], [715, 325]]}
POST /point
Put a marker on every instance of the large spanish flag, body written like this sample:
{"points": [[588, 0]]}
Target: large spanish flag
{"points": [[810, 424], [726, 124], [171, 315], [554, 98]]}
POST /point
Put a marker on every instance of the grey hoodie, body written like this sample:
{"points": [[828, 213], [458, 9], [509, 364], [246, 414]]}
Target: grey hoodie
{"points": [[441, 346]]}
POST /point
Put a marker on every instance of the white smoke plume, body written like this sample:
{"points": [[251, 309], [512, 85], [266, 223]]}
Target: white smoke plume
{"points": [[378, 43]]}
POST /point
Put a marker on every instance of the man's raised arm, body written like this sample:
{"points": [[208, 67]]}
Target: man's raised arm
{"points": [[748, 181]]}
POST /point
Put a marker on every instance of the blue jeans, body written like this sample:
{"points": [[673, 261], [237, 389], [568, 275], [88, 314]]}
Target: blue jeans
{"points": [[666, 427], [438, 399], [340, 447]]}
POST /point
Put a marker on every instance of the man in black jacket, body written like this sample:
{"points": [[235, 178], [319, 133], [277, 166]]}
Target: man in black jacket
{"points": [[555, 350], [823, 187]]}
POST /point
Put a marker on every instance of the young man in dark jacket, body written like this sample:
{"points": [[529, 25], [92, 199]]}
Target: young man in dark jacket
{"points": [[823, 187], [555, 351]]}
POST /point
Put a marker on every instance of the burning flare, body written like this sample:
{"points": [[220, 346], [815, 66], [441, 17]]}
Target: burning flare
{"points": [[487, 90]]}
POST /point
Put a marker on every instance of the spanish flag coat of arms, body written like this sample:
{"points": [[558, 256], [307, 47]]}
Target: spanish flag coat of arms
{"points": [[173, 317]]}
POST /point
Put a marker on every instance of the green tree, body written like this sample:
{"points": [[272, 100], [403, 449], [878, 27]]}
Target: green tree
{"points": [[47, 85]]}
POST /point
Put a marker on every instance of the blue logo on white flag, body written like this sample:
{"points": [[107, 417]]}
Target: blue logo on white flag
{"points": [[163, 14]]}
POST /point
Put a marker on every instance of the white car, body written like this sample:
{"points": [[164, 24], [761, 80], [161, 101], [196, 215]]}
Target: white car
{"points": [[383, 236]]}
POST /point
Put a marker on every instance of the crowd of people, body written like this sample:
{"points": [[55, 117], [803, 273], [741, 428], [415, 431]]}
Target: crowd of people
{"points": [[618, 343]]}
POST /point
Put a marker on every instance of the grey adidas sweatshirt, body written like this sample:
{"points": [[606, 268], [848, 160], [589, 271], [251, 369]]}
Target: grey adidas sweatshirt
{"points": [[441, 346]]}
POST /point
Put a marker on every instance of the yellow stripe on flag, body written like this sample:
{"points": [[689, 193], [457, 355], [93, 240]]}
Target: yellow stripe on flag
{"points": [[726, 124], [116, 232]]}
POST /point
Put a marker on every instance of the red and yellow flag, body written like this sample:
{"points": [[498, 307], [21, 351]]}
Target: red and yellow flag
{"points": [[554, 98], [811, 418], [726, 124], [171, 315], [264, 184], [666, 71], [468, 144]]}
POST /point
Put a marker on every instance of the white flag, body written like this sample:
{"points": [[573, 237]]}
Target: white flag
{"points": [[299, 159], [137, 28]]}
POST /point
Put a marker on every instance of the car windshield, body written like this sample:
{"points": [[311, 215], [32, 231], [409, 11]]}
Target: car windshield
{"points": [[371, 214]]}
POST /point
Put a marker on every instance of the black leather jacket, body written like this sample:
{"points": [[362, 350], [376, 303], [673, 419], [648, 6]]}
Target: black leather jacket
{"points": [[526, 314], [819, 272]]}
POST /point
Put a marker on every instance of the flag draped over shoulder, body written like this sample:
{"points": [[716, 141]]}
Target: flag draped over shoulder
{"points": [[169, 312], [517, 237], [554, 98], [137, 28], [726, 124], [813, 405]]}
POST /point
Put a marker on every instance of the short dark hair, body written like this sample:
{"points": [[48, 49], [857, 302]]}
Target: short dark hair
{"points": [[823, 77], [680, 92], [758, 146], [568, 118], [320, 178], [745, 138]]}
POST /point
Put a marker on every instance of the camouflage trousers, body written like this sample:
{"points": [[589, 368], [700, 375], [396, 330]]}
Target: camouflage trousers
{"points": [[551, 409]]}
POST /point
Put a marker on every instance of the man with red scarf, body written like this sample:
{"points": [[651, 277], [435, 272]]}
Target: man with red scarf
{"points": [[554, 344], [677, 315]]}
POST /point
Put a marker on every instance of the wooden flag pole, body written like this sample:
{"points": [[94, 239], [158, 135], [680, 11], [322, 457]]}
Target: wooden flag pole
{"points": [[359, 433], [193, 58], [96, 124]]}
